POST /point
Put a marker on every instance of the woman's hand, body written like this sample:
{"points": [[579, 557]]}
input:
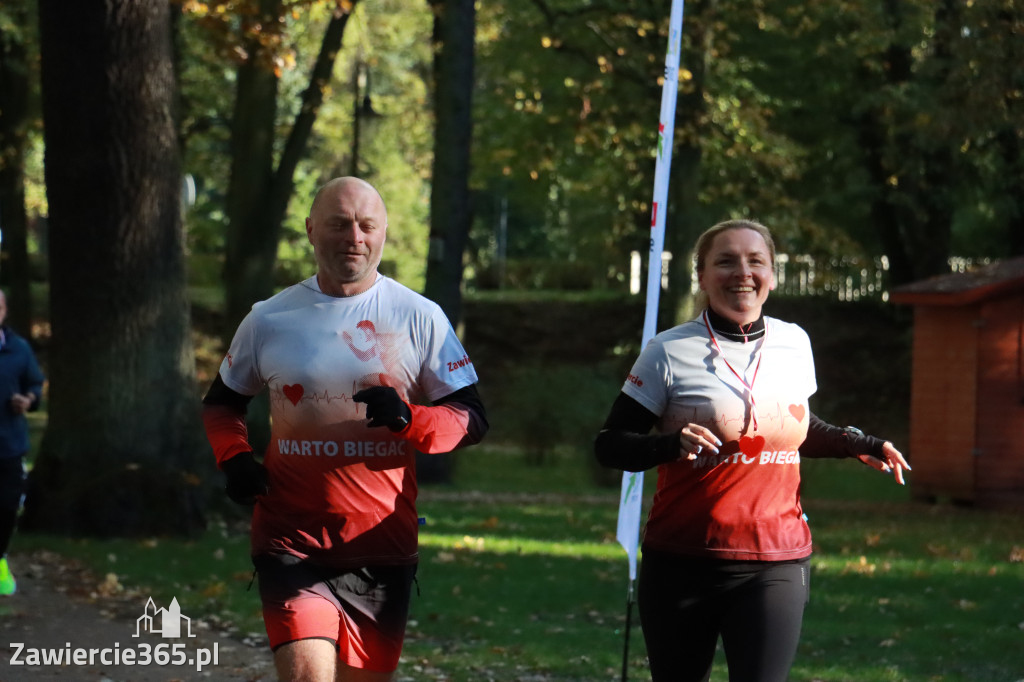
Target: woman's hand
{"points": [[693, 438], [893, 462]]}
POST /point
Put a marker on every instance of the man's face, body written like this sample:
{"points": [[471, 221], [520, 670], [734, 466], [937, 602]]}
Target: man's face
{"points": [[347, 226], [3, 308]]}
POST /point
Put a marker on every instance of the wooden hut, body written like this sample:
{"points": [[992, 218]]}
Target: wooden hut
{"points": [[967, 386]]}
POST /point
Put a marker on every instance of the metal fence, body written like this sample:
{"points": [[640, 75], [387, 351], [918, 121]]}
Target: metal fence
{"points": [[845, 278]]}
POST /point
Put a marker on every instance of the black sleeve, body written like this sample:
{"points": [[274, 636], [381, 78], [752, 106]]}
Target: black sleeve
{"points": [[469, 398], [825, 440], [625, 442], [220, 394]]}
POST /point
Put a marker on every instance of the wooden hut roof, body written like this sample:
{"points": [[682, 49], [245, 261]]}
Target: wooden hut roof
{"points": [[964, 288]]}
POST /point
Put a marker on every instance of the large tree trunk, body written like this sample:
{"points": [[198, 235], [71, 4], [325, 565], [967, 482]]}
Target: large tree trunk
{"points": [[15, 273], [123, 451], [450, 208]]}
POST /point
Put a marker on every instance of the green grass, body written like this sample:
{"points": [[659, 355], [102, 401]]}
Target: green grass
{"points": [[521, 579], [911, 592]]}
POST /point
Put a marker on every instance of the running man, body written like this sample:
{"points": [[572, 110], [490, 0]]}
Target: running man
{"points": [[349, 357]]}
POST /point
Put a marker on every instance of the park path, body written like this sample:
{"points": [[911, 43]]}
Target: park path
{"points": [[59, 607]]}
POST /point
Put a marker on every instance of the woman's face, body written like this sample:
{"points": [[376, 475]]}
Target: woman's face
{"points": [[737, 275]]}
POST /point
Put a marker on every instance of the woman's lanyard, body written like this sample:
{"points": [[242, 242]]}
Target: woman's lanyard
{"points": [[749, 386]]}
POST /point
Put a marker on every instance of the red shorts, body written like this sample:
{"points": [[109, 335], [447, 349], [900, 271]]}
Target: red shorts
{"points": [[363, 610]]}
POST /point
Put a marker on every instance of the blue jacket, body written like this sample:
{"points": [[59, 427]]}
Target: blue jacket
{"points": [[19, 373]]}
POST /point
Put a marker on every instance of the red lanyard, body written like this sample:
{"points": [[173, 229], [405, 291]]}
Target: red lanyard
{"points": [[748, 386]]}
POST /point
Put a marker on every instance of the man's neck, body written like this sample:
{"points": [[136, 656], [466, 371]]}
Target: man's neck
{"points": [[345, 289]]}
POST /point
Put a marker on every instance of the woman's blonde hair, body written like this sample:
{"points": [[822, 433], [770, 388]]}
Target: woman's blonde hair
{"points": [[704, 242]]}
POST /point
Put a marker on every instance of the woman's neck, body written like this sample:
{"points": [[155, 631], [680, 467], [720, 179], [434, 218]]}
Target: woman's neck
{"points": [[733, 331]]}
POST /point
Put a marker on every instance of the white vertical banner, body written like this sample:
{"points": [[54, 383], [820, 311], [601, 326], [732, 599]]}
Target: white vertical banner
{"points": [[631, 496]]}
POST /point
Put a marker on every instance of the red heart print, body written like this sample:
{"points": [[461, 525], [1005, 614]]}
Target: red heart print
{"points": [[294, 393], [797, 411], [752, 447]]}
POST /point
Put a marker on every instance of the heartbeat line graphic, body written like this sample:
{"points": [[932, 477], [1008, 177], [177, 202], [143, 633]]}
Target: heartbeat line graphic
{"points": [[777, 414], [294, 394]]}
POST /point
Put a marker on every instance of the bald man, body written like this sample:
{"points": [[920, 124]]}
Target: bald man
{"points": [[362, 373]]}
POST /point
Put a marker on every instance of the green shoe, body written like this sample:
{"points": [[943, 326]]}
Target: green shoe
{"points": [[7, 582]]}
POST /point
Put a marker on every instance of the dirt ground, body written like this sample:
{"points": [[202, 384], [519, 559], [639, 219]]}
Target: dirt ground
{"points": [[60, 609]]}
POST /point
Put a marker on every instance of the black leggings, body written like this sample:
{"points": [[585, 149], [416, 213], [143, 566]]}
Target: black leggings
{"points": [[12, 487], [757, 607]]}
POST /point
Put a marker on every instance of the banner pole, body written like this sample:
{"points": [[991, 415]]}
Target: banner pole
{"points": [[631, 495], [629, 623]]}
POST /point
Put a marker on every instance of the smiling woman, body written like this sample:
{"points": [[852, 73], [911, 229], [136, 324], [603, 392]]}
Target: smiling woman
{"points": [[727, 548], [735, 269]]}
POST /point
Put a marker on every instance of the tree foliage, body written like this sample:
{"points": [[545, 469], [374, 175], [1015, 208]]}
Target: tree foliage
{"points": [[849, 128], [378, 85], [852, 129], [17, 105], [840, 125], [572, 92]]}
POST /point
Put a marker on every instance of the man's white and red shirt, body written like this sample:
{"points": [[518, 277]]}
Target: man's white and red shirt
{"points": [[343, 494]]}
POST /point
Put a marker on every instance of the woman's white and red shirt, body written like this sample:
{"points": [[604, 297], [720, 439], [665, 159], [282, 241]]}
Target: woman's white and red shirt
{"points": [[743, 503]]}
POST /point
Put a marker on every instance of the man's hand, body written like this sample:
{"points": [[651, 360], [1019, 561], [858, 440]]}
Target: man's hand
{"points": [[384, 407], [247, 478], [20, 403]]}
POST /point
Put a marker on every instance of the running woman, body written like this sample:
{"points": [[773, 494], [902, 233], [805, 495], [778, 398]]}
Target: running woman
{"points": [[726, 548]]}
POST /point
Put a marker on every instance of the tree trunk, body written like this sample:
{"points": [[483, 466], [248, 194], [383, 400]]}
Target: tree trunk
{"points": [[15, 274], [251, 246], [123, 453], [1010, 146], [450, 207], [258, 194], [913, 176], [1011, 131]]}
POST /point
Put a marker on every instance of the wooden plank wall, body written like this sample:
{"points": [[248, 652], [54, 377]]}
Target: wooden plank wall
{"points": [[943, 402], [1000, 420]]}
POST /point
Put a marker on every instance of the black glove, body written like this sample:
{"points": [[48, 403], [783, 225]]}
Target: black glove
{"points": [[384, 407], [247, 478]]}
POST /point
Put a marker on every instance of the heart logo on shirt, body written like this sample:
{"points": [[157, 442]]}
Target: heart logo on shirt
{"points": [[294, 393], [797, 411], [751, 447]]}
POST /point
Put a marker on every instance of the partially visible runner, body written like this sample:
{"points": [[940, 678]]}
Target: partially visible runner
{"points": [[726, 549], [349, 356], [21, 390]]}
